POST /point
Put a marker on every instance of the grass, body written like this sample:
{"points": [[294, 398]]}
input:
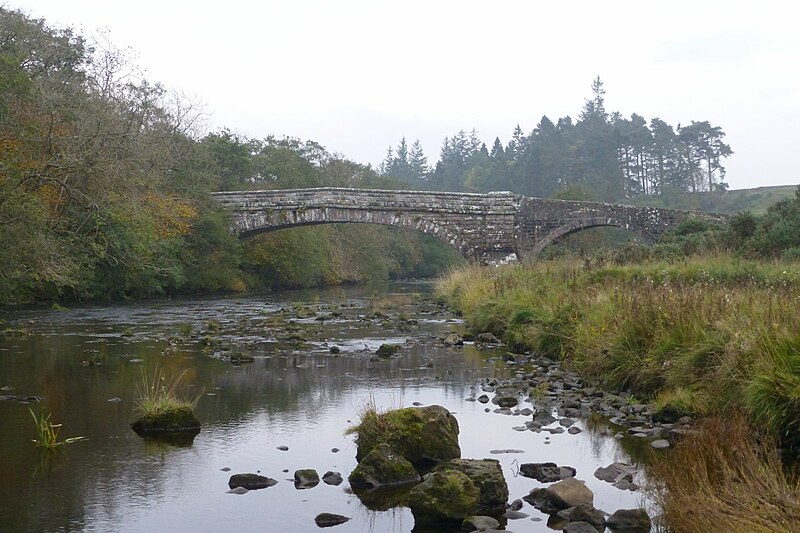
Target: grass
{"points": [[161, 393], [705, 334], [48, 433], [726, 478]]}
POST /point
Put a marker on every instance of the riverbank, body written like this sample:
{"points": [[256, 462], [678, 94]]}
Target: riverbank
{"points": [[704, 337]]}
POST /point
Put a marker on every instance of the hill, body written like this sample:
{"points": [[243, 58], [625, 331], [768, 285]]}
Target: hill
{"points": [[729, 202]]}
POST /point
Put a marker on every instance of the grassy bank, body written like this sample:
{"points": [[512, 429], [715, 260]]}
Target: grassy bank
{"points": [[705, 335]]}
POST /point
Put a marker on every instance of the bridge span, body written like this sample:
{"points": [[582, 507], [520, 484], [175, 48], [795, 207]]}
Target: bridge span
{"points": [[493, 227]]}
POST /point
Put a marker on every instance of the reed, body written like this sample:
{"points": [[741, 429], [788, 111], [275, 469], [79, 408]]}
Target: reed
{"points": [[47, 433]]}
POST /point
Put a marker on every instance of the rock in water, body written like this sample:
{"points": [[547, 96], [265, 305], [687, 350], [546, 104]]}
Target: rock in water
{"points": [[479, 523], [444, 497], [332, 478], [250, 481], [615, 472], [423, 435], [631, 520], [176, 420], [546, 472], [387, 350], [330, 520], [453, 340], [306, 478], [580, 527], [569, 493], [383, 467], [487, 476]]}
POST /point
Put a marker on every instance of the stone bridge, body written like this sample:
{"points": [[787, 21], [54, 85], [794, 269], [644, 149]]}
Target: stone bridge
{"points": [[491, 228]]}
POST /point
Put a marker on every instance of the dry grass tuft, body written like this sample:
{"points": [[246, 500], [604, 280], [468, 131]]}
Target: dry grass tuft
{"points": [[725, 478]]}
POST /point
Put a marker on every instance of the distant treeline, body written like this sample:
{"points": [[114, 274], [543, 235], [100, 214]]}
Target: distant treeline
{"points": [[603, 155]]}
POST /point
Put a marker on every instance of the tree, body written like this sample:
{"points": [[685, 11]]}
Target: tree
{"points": [[417, 161], [705, 146]]}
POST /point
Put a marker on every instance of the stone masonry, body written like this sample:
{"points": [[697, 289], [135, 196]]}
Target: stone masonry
{"points": [[490, 228]]}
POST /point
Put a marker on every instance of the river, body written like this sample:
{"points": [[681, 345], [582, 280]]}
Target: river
{"points": [[85, 363]]}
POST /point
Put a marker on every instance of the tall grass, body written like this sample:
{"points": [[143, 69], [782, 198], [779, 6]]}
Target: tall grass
{"points": [[47, 433], [160, 392], [711, 333], [726, 478]]}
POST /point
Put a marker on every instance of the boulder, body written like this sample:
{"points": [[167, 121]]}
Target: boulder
{"points": [[387, 350], [629, 520], [453, 340], [306, 478], [546, 472], [444, 497], [479, 523], [487, 476], [584, 513], [505, 401], [423, 435], [330, 519], [383, 467], [615, 472], [175, 420], [580, 527], [250, 481], [569, 493], [332, 478]]}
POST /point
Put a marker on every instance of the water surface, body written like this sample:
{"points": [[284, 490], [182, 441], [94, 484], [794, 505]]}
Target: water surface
{"points": [[86, 363]]}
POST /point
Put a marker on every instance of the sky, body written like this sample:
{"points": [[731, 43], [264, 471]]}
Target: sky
{"points": [[357, 76]]}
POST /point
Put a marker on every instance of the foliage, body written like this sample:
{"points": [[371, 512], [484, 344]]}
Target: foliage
{"points": [[704, 334], [105, 180], [48, 433], [605, 155], [161, 393]]}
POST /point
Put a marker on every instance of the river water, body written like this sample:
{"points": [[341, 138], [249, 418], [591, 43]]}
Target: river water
{"points": [[86, 362]]}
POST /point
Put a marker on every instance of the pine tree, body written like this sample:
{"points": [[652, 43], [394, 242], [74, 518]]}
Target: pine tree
{"points": [[417, 161]]}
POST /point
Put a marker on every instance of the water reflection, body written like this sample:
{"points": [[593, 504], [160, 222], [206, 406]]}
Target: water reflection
{"points": [[300, 396]]}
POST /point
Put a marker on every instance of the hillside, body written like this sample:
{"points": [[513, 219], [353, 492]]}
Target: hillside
{"points": [[729, 202]]}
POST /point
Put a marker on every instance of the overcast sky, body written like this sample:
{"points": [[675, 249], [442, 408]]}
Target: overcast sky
{"points": [[357, 76]]}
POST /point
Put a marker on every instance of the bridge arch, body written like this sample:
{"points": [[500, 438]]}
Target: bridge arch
{"points": [[580, 224], [324, 215]]}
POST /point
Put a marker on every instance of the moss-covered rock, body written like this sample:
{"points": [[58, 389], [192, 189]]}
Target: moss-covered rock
{"points": [[423, 435], [383, 467], [387, 350], [444, 497], [487, 476], [179, 419]]}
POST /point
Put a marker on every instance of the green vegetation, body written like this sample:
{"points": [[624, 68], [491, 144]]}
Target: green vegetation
{"points": [[602, 155], [48, 433], [708, 333], [161, 393], [105, 180], [422, 435]]}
